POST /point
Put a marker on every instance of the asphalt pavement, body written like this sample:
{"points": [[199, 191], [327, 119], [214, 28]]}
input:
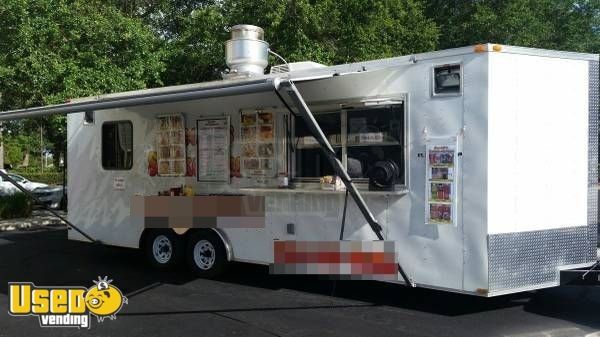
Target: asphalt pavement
{"points": [[250, 302]]}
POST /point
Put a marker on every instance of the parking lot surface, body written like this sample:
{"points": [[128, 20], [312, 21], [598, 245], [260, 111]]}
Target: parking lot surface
{"points": [[250, 302]]}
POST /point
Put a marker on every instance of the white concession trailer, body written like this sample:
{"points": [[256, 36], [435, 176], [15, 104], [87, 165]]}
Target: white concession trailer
{"points": [[479, 164]]}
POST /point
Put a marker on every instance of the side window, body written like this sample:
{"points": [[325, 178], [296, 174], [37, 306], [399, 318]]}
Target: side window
{"points": [[447, 80], [117, 145]]}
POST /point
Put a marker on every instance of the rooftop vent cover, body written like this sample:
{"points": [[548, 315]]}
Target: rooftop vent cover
{"points": [[296, 66], [246, 53]]}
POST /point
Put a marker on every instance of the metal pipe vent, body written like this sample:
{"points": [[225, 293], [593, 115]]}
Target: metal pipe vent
{"points": [[246, 54]]}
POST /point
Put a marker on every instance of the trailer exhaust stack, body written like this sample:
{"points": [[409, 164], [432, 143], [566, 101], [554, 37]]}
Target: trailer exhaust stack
{"points": [[246, 54]]}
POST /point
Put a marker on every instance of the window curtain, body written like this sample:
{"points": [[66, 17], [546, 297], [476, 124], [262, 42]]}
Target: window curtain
{"points": [[125, 136]]}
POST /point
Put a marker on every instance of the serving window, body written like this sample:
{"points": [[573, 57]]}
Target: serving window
{"points": [[361, 137]]}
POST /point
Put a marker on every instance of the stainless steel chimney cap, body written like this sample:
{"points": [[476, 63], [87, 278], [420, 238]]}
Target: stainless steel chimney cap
{"points": [[246, 54], [247, 32]]}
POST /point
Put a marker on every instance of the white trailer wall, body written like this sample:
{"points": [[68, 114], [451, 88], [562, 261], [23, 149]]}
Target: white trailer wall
{"points": [[542, 157], [538, 143]]}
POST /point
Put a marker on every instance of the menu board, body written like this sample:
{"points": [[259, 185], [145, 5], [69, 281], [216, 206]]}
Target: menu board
{"points": [[258, 144], [213, 149], [441, 183], [170, 139]]}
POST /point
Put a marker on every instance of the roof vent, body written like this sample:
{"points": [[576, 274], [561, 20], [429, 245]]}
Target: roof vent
{"points": [[246, 54], [295, 66]]}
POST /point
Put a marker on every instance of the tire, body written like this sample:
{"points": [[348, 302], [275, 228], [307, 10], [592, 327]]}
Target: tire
{"points": [[163, 248], [206, 255]]}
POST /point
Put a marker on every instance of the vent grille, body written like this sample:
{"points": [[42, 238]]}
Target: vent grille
{"points": [[295, 66], [280, 68]]}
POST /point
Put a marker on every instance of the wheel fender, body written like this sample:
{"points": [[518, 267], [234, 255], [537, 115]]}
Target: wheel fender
{"points": [[226, 243], [143, 236], [220, 233]]}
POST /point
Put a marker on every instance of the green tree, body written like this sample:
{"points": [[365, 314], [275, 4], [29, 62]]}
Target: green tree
{"points": [[54, 50], [13, 153], [17, 145], [166, 17], [550, 24], [196, 51]]}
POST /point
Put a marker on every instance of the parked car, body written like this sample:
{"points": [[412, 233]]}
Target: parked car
{"points": [[52, 196], [6, 187], [28, 185]]}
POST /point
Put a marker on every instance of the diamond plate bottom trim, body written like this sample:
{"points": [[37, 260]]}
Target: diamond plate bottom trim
{"points": [[594, 122], [593, 237], [528, 259]]}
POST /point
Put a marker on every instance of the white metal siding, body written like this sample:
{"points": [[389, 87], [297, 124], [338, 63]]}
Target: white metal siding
{"points": [[538, 143]]}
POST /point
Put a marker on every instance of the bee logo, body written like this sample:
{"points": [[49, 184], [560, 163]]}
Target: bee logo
{"points": [[104, 300], [66, 306]]}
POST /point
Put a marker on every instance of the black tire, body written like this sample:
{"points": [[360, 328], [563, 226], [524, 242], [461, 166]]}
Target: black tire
{"points": [[206, 255], [163, 248]]}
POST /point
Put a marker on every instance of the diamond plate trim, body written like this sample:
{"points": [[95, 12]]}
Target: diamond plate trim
{"points": [[529, 259], [594, 96]]}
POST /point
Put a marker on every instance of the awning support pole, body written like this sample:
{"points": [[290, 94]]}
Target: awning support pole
{"points": [[316, 131], [37, 201]]}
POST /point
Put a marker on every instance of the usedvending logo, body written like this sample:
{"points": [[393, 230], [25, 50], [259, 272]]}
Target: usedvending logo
{"points": [[66, 306]]}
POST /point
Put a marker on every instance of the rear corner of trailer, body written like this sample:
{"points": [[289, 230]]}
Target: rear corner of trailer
{"points": [[542, 177], [81, 174]]}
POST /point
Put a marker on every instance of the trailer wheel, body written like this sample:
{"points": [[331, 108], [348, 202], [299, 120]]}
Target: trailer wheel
{"points": [[162, 248], [206, 254]]}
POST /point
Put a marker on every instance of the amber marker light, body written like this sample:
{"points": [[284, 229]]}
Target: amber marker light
{"points": [[480, 48]]}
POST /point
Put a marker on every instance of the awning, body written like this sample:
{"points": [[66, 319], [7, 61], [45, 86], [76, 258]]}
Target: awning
{"points": [[144, 98]]}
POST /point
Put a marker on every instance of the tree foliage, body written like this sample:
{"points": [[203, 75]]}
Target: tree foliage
{"points": [[549, 24], [53, 50]]}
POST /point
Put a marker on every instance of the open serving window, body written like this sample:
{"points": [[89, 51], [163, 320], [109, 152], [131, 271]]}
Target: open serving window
{"points": [[269, 148], [362, 137]]}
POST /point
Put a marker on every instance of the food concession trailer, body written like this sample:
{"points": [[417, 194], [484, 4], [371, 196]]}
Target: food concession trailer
{"points": [[478, 165]]}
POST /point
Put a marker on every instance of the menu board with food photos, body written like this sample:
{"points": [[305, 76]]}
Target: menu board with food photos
{"points": [[213, 149], [441, 183], [170, 139], [258, 144]]}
